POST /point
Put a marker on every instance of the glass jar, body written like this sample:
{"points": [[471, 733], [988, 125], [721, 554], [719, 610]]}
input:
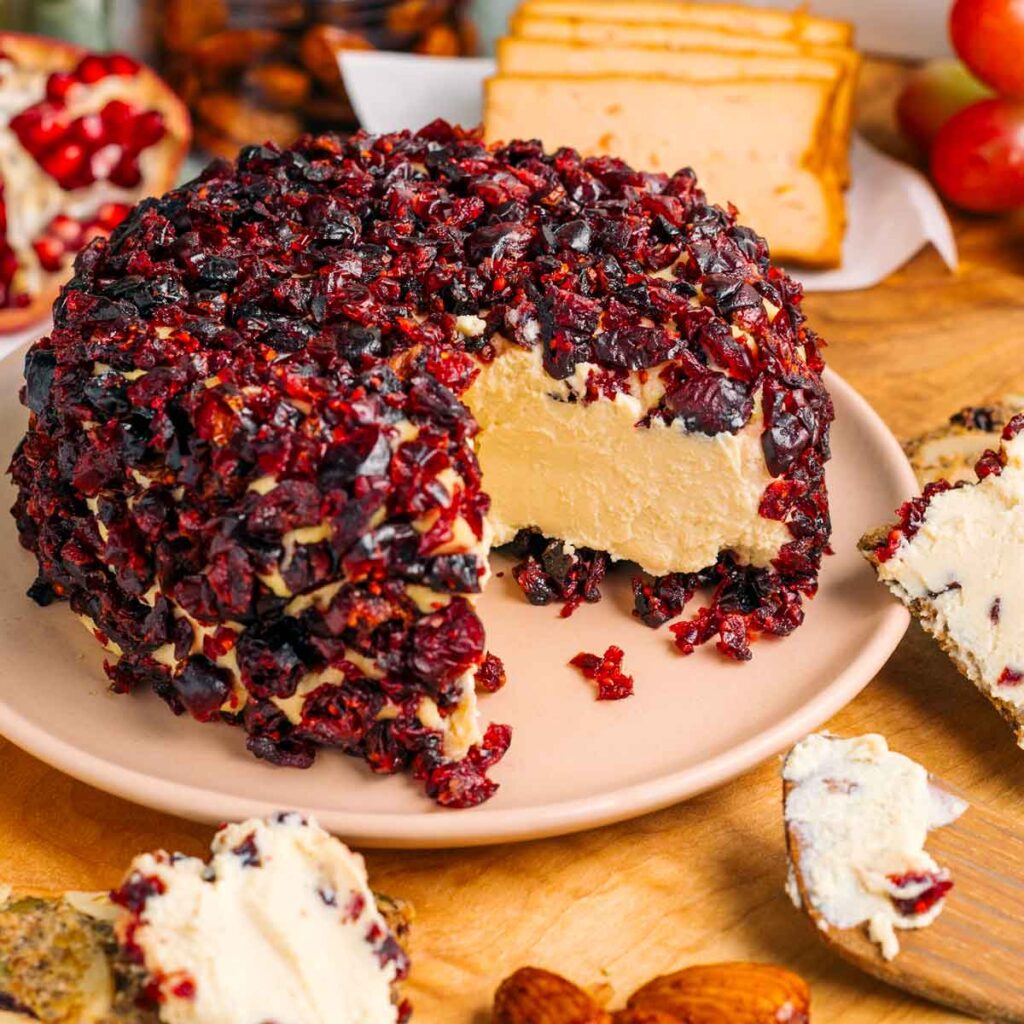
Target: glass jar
{"points": [[252, 70]]}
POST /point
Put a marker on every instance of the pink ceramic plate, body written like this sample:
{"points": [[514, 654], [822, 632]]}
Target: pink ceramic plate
{"points": [[574, 763]]}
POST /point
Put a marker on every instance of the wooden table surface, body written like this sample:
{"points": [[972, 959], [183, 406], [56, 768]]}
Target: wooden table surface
{"points": [[702, 881]]}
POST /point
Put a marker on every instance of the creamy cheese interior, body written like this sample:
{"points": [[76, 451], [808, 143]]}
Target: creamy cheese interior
{"points": [[275, 928], [861, 814], [666, 499], [965, 564]]}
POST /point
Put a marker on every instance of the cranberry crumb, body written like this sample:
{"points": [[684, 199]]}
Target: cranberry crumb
{"points": [[606, 671], [490, 676], [182, 988], [911, 516], [1010, 677], [936, 889]]}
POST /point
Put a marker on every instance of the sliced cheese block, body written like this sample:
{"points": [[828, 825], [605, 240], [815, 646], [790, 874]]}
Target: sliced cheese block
{"points": [[681, 36], [547, 56], [774, 168], [731, 17]]}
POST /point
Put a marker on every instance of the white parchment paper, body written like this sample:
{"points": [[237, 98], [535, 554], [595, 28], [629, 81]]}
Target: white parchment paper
{"points": [[892, 210]]}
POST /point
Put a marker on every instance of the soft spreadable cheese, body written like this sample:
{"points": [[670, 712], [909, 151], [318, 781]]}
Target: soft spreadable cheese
{"points": [[960, 571], [858, 815], [660, 496], [280, 925]]}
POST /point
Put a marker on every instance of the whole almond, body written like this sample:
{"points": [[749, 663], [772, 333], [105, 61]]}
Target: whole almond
{"points": [[536, 996], [729, 993], [640, 1015]]}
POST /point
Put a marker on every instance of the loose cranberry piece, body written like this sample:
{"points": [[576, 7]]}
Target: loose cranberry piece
{"points": [[490, 676], [606, 671], [1010, 677], [936, 889], [550, 574]]}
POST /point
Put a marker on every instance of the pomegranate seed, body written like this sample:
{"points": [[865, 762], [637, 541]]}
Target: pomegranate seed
{"points": [[126, 172], [38, 127], [110, 215], [68, 164], [59, 84], [50, 253], [122, 64], [87, 130], [92, 232], [117, 117], [66, 228], [148, 129], [103, 161], [91, 69]]}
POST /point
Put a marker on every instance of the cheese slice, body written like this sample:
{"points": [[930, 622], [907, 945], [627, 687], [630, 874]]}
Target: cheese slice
{"points": [[609, 32], [546, 56], [774, 168], [737, 18]]}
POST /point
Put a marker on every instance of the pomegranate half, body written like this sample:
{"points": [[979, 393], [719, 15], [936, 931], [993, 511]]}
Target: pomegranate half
{"points": [[83, 137]]}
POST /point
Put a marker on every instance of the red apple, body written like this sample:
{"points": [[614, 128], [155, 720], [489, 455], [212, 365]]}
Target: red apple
{"points": [[977, 158], [989, 37]]}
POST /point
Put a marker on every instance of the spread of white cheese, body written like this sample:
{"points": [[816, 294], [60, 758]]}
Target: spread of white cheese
{"points": [[278, 933], [965, 564], [659, 496], [861, 814]]}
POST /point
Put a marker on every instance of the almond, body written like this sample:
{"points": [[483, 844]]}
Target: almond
{"points": [[234, 49], [185, 22], [279, 84], [535, 996], [440, 41], [319, 49], [729, 993], [639, 1015]]}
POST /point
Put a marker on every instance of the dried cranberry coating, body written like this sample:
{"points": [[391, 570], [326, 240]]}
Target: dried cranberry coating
{"points": [[248, 458]]}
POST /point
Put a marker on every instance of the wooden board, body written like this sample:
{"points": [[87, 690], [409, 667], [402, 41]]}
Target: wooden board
{"points": [[702, 881]]}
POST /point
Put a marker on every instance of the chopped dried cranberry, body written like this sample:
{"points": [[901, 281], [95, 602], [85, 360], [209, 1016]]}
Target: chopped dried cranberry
{"points": [[606, 671], [1010, 677], [911, 516], [550, 573], [935, 888], [202, 687], [136, 890], [490, 676], [710, 404], [248, 852]]}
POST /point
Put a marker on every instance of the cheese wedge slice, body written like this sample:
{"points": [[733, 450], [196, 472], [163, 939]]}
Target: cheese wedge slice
{"points": [[775, 169], [545, 56], [738, 18], [603, 33]]}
